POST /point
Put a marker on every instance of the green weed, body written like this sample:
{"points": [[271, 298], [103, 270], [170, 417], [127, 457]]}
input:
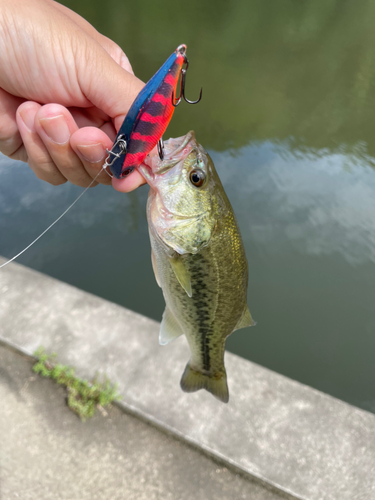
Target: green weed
{"points": [[83, 397]]}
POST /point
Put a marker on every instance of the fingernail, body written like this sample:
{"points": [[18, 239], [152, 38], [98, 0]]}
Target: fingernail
{"points": [[93, 153], [28, 117], [56, 128]]}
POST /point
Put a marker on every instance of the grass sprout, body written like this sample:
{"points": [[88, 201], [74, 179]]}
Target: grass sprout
{"points": [[83, 397]]}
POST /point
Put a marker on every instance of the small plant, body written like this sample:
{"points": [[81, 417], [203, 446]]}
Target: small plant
{"points": [[83, 396]]}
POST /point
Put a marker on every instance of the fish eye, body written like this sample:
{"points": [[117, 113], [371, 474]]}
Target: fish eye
{"points": [[197, 177]]}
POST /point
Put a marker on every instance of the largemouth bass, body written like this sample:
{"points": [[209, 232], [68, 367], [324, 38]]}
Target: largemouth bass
{"points": [[198, 260]]}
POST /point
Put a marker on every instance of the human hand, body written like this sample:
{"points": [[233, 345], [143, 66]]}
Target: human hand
{"points": [[64, 91]]}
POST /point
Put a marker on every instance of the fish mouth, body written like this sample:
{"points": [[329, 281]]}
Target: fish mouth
{"points": [[175, 151]]}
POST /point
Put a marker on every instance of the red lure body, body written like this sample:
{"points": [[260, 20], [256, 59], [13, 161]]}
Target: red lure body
{"points": [[149, 115]]}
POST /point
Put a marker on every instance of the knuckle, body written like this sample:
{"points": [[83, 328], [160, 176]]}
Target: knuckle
{"points": [[46, 171], [41, 162], [116, 52], [10, 144], [19, 154], [10, 138], [55, 180]]}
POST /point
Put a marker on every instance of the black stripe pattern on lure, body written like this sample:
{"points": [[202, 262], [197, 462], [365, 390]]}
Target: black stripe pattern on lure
{"points": [[198, 259]]}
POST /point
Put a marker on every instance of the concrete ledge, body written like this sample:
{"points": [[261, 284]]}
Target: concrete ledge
{"points": [[287, 435], [46, 453]]}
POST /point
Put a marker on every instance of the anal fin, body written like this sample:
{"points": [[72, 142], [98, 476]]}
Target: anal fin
{"points": [[245, 320], [170, 329]]}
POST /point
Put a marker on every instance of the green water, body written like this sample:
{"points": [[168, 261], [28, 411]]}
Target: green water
{"points": [[288, 115]]}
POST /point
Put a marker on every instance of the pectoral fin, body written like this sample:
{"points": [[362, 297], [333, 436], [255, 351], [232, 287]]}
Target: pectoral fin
{"points": [[169, 329], [245, 320], [155, 268], [182, 273]]}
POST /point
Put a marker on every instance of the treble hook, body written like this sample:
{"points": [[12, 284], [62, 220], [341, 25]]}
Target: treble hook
{"points": [[161, 148], [182, 88]]}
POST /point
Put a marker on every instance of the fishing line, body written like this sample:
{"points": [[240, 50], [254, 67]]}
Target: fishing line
{"points": [[53, 223]]}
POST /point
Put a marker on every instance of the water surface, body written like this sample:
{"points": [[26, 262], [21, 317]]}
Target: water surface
{"points": [[288, 117]]}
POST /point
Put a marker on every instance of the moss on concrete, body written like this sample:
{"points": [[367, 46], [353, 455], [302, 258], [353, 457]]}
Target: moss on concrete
{"points": [[84, 397]]}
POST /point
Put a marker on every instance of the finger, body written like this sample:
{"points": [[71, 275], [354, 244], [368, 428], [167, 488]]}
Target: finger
{"points": [[90, 145], [109, 129], [10, 138], [55, 125], [129, 183], [88, 117], [116, 52], [35, 151], [20, 154]]}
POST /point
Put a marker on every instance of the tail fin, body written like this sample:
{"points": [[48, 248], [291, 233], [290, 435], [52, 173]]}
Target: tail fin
{"points": [[216, 384]]}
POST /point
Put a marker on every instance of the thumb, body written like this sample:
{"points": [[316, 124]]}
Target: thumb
{"points": [[116, 52], [105, 83]]}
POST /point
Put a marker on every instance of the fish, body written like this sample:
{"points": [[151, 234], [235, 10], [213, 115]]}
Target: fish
{"points": [[198, 260], [148, 116]]}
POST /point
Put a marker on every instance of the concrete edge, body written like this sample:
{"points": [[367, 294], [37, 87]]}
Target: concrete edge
{"points": [[163, 427], [281, 424], [210, 452]]}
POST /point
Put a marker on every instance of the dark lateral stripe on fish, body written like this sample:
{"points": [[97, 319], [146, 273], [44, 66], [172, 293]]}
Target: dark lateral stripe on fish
{"points": [[200, 301], [205, 347]]}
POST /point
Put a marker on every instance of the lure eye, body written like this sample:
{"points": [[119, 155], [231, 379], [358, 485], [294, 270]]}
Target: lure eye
{"points": [[197, 177], [126, 172]]}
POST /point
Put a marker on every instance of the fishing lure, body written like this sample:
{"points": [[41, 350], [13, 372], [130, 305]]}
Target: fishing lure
{"points": [[148, 117]]}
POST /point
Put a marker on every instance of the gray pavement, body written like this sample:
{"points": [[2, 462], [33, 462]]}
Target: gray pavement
{"points": [[47, 453], [290, 436]]}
